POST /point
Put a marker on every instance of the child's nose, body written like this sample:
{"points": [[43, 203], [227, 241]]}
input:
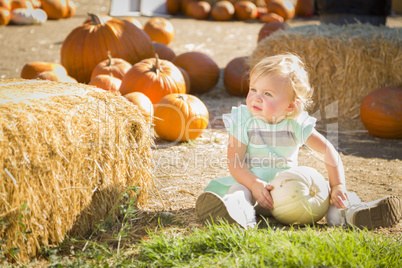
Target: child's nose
{"points": [[258, 97]]}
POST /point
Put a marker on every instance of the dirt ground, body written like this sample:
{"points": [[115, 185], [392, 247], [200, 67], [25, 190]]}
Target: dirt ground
{"points": [[372, 165]]}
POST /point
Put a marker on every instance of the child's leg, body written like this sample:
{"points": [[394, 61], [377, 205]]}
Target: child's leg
{"points": [[242, 190], [336, 216], [235, 206], [383, 212]]}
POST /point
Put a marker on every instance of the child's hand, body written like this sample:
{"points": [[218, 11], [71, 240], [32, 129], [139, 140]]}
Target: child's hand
{"points": [[339, 195], [260, 191]]}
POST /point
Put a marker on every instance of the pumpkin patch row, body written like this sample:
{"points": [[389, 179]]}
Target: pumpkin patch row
{"points": [[146, 71], [129, 72], [226, 10], [25, 12], [134, 70]]}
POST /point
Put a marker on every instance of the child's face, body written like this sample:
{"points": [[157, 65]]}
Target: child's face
{"points": [[269, 98]]}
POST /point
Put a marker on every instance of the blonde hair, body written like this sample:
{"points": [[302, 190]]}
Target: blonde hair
{"points": [[292, 69]]}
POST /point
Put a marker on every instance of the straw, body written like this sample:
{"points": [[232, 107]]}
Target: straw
{"points": [[67, 152]]}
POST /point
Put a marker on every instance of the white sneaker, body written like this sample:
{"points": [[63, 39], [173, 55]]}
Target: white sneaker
{"points": [[234, 208], [383, 212], [336, 216]]}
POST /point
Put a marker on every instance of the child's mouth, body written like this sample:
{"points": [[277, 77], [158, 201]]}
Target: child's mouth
{"points": [[256, 108]]}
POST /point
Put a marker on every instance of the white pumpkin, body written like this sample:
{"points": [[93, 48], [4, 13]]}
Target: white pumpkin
{"points": [[26, 16], [301, 196]]}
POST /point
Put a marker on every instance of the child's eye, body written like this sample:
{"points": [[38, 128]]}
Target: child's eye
{"points": [[267, 94], [253, 90]]}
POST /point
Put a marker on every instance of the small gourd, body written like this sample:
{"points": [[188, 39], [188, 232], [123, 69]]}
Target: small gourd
{"points": [[27, 16]]}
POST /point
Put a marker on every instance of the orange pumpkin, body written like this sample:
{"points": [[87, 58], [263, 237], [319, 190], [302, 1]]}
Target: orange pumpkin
{"points": [[270, 27], [203, 71], [21, 4], [54, 76], [103, 18], [134, 21], [180, 117], [199, 10], [222, 10], [304, 8], [31, 69], [186, 79], [245, 10], [71, 9], [106, 82], [5, 16], [270, 17], [381, 112], [87, 45], [155, 78], [184, 5], [159, 30], [285, 9], [111, 66], [5, 4], [143, 103], [37, 3], [236, 76], [55, 9], [173, 6], [164, 52], [261, 10]]}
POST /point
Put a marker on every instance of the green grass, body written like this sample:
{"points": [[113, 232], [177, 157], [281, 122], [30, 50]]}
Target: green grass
{"points": [[220, 245], [226, 246]]}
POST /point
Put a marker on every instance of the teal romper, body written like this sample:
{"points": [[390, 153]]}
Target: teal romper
{"points": [[271, 148]]}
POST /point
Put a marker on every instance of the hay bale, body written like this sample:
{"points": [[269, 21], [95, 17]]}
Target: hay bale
{"points": [[345, 63], [67, 151]]}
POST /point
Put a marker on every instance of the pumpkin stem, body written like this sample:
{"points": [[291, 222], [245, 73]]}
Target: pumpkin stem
{"points": [[157, 66], [183, 97], [109, 55], [96, 19], [313, 191]]}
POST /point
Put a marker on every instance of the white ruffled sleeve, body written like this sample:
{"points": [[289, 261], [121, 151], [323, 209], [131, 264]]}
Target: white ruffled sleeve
{"points": [[237, 122], [305, 124]]}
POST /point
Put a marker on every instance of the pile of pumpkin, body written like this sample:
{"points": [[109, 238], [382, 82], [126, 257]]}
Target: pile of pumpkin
{"points": [[137, 63], [225, 10], [118, 55], [25, 12]]}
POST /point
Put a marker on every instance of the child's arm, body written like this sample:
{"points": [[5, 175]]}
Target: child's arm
{"points": [[334, 166], [239, 170]]}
